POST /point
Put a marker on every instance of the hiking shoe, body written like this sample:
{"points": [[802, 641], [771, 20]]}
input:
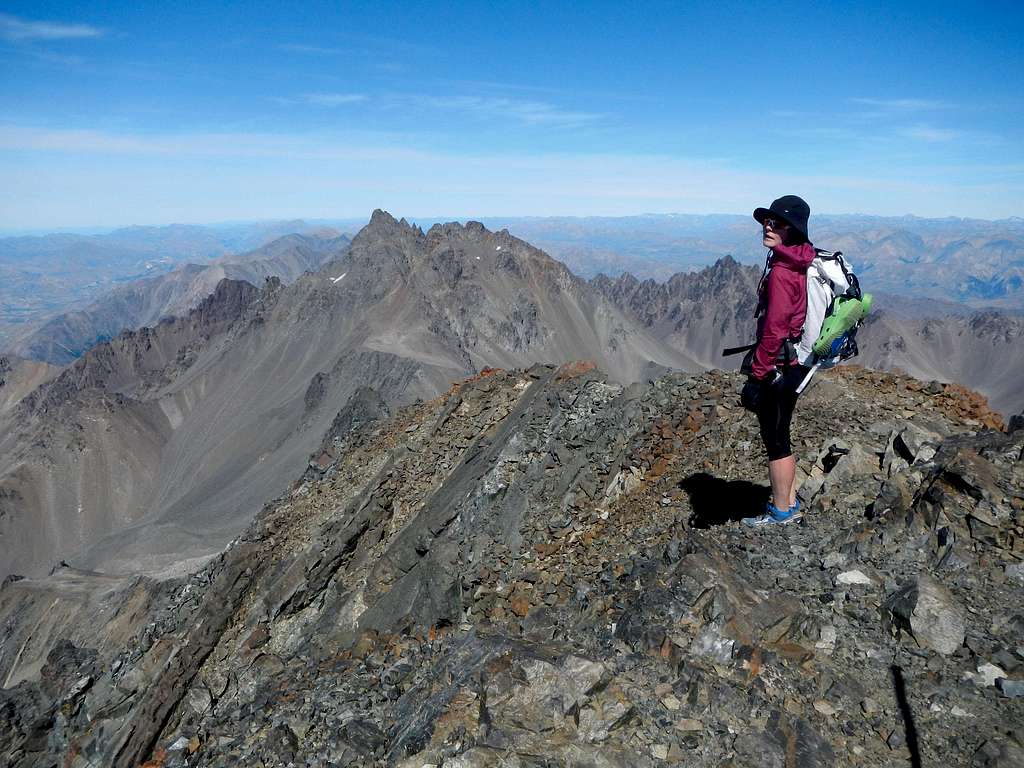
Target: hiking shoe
{"points": [[774, 516]]}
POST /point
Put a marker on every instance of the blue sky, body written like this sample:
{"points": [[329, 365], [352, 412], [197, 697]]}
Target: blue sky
{"points": [[158, 112]]}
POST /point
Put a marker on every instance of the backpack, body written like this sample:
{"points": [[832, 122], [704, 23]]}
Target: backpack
{"points": [[830, 326], [835, 310]]}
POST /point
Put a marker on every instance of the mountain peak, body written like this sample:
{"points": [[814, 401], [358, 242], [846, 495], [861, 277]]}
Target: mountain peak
{"points": [[455, 229], [381, 218], [383, 225]]}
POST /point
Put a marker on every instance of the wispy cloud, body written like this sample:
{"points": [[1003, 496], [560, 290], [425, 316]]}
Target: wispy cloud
{"points": [[930, 134], [493, 107], [902, 105], [495, 85], [191, 144], [340, 174], [528, 112], [53, 58], [25, 30], [361, 45], [329, 99], [315, 50]]}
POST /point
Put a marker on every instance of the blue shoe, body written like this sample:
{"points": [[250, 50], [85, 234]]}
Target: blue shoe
{"points": [[773, 516]]}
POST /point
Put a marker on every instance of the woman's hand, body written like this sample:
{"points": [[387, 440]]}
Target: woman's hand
{"points": [[750, 396], [753, 391]]}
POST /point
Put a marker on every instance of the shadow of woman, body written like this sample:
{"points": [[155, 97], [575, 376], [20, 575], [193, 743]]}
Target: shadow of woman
{"points": [[715, 501]]}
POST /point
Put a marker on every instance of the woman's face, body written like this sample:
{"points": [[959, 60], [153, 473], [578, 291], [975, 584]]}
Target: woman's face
{"points": [[775, 232]]}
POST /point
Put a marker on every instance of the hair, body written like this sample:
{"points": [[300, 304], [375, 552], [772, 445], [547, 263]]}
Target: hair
{"points": [[794, 236]]}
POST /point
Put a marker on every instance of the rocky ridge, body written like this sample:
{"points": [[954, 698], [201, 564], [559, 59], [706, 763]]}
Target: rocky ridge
{"points": [[19, 378], [982, 351], [64, 338], [543, 567], [699, 312], [703, 312], [156, 448]]}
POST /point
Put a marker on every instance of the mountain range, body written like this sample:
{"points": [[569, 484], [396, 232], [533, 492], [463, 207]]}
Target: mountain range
{"points": [[154, 448], [162, 441], [64, 338], [45, 275], [442, 502], [970, 261], [962, 263]]}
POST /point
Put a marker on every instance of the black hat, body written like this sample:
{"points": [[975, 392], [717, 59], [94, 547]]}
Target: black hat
{"points": [[791, 209]]}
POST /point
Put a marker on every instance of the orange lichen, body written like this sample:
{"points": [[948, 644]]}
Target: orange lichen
{"points": [[574, 369]]}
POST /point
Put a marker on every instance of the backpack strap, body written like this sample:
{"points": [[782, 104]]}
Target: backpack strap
{"points": [[737, 350], [760, 284], [851, 279]]}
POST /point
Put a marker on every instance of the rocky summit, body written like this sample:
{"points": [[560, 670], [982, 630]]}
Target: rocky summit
{"points": [[543, 567]]}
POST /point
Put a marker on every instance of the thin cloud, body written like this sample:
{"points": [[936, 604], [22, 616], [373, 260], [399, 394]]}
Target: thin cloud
{"points": [[217, 144], [321, 99], [494, 107], [25, 30], [931, 134], [361, 45], [345, 174], [331, 99], [902, 105], [315, 50], [482, 107], [483, 85], [54, 58]]}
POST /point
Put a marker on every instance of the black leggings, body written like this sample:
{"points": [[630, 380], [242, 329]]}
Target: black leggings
{"points": [[775, 411]]}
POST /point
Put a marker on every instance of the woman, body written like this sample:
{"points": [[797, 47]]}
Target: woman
{"points": [[774, 371]]}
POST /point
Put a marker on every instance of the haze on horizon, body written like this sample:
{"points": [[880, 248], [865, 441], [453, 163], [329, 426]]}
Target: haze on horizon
{"points": [[119, 114]]}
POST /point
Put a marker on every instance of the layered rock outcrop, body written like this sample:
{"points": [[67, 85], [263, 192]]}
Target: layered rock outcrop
{"points": [[544, 565]]}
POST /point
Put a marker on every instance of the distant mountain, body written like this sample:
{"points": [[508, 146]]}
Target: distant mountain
{"points": [[158, 445], [983, 351], [971, 262], [701, 313], [19, 378], [145, 302], [41, 276], [976, 262]]}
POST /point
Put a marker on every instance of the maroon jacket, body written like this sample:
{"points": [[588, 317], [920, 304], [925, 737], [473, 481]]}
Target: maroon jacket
{"points": [[783, 299]]}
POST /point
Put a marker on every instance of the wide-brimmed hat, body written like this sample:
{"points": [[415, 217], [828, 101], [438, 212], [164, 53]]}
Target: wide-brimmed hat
{"points": [[791, 209]]}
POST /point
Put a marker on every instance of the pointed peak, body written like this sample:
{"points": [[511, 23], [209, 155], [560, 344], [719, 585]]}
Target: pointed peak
{"points": [[382, 224], [725, 265], [380, 218]]}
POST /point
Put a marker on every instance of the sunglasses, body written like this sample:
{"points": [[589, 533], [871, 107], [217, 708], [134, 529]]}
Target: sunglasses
{"points": [[775, 224]]}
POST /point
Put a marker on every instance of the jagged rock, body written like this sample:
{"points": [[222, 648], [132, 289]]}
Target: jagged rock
{"points": [[838, 465], [853, 577], [998, 754], [986, 675], [930, 613], [457, 586], [1011, 689]]}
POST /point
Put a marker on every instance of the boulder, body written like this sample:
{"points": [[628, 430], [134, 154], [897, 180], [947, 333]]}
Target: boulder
{"points": [[928, 611]]}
